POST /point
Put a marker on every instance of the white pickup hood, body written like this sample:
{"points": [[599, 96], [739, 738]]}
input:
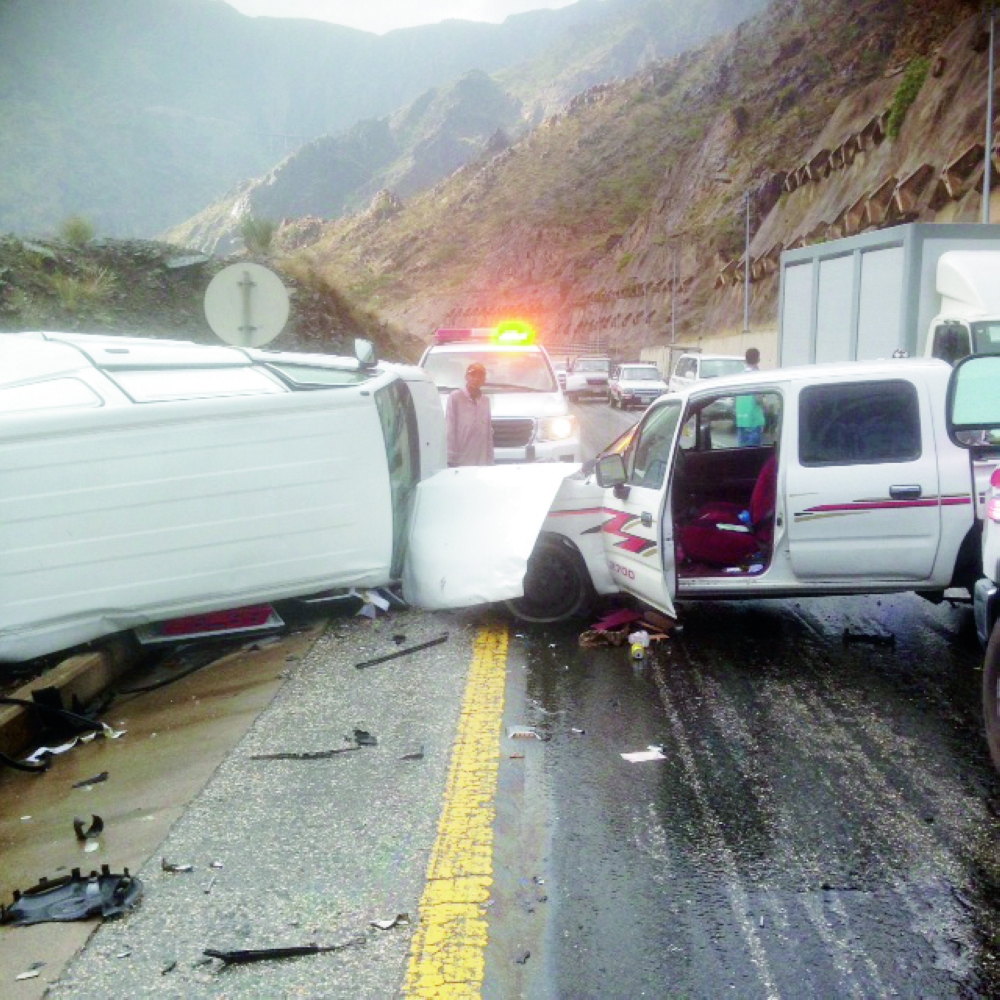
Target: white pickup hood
{"points": [[473, 530]]}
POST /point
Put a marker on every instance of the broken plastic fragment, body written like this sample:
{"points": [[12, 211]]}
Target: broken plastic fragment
{"points": [[95, 828], [169, 866], [243, 956], [74, 897], [522, 733], [650, 753], [384, 925]]}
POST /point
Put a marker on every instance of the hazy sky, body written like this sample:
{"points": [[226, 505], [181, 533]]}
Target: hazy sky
{"points": [[380, 16]]}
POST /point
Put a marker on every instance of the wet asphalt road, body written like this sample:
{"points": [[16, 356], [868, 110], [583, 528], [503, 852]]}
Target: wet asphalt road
{"points": [[823, 823]]}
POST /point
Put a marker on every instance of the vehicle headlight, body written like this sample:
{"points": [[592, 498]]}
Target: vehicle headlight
{"points": [[556, 428]]}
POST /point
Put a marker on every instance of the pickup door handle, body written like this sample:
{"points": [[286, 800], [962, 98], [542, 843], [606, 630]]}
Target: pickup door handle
{"points": [[905, 492], [646, 518]]}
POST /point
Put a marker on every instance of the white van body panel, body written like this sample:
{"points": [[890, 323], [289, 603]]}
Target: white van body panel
{"points": [[474, 528], [228, 488]]}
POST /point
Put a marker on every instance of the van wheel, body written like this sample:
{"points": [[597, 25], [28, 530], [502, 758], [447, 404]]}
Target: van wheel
{"points": [[556, 585], [991, 695]]}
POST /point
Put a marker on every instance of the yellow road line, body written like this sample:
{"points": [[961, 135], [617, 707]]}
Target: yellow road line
{"points": [[448, 953]]}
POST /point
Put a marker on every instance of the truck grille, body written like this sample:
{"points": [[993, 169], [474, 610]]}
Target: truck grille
{"points": [[512, 432]]}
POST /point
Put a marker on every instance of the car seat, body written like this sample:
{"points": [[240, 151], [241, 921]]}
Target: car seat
{"points": [[727, 534]]}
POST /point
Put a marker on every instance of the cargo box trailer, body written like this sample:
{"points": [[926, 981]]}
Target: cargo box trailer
{"points": [[917, 289]]}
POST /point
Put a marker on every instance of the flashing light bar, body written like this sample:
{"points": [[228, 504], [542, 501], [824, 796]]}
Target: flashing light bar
{"points": [[510, 332]]}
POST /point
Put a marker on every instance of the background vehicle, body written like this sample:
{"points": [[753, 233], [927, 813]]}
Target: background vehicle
{"points": [[690, 368], [635, 384], [855, 489], [531, 419], [924, 289], [974, 423], [588, 377]]}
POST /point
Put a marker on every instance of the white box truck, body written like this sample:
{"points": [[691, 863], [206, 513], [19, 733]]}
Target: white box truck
{"points": [[923, 289]]}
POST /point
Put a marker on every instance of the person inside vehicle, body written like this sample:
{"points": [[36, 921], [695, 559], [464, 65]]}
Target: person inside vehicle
{"points": [[468, 421]]}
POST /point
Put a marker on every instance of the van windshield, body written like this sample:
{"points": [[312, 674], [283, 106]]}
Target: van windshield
{"points": [[592, 365], [641, 374], [716, 367], [506, 371]]}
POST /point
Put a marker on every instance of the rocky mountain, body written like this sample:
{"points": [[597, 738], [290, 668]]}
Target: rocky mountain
{"points": [[137, 115], [622, 217], [404, 153]]}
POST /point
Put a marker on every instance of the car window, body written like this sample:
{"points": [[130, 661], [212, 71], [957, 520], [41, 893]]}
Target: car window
{"points": [[641, 374], [648, 455], [716, 367], [591, 365], [506, 371], [58, 393], [986, 336], [859, 423]]}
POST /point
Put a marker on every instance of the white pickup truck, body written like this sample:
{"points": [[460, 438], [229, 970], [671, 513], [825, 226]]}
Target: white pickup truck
{"points": [[854, 487], [973, 423]]}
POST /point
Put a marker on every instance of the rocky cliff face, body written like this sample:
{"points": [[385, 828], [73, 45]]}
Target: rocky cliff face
{"points": [[622, 219]]}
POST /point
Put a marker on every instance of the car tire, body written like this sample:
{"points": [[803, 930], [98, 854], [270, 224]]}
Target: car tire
{"points": [[557, 585], [991, 695]]}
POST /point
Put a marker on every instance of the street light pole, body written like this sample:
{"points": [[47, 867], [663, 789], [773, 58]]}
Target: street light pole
{"points": [[746, 271], [989, 121], [673, 298]]}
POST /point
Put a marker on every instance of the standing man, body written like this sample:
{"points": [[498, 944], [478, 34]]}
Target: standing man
{"points": [[750, 417], [467, 421]]}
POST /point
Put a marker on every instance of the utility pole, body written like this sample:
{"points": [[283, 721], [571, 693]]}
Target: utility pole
{"points": [[673, 298], [987, 168], [746, 272]]}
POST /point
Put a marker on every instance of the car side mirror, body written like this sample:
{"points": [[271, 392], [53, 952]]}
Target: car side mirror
{"points": [[364, 351], [610, 470], [972, 408]]}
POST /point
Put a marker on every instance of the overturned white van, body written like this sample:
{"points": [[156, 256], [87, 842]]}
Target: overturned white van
{"points": [[148, 479]]}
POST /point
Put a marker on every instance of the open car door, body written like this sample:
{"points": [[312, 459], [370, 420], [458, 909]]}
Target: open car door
{"points": [[637, 530]]}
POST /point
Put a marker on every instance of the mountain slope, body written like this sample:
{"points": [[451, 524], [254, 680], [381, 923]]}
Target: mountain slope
{"points": [[578, 225]]}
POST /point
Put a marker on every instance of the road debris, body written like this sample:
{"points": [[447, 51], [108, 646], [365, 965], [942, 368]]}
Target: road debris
{"points": [[522, 733], [651, 752], [402, 652], [170, 866], [73, 897], [245, 956], [306, 755], [31, 972], [638, 644], [95, 780], [414, 753], [873, 638], [95, 829], [385, 925]]}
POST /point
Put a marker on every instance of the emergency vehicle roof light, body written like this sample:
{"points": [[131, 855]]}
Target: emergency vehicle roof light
{"points": [[515, 331]]}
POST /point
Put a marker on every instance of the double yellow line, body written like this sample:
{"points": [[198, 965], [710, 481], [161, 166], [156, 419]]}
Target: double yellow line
{"points": [[448, 952]]}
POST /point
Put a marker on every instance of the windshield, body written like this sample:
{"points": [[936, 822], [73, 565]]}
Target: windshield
{"points": [[592, 365], [986, 337], [641, 374], [714, 367], [506, 371]]}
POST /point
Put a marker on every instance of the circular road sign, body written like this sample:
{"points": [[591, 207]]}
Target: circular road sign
{"points": [[246, 305]]}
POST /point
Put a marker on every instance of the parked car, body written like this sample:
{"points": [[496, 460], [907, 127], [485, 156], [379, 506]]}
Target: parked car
{"points": [[635, 384], [531, 420]]}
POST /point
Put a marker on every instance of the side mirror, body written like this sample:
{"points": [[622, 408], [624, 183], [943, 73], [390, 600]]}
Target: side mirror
{"points": [[973, 401], [610, 470], [364, 351]]}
